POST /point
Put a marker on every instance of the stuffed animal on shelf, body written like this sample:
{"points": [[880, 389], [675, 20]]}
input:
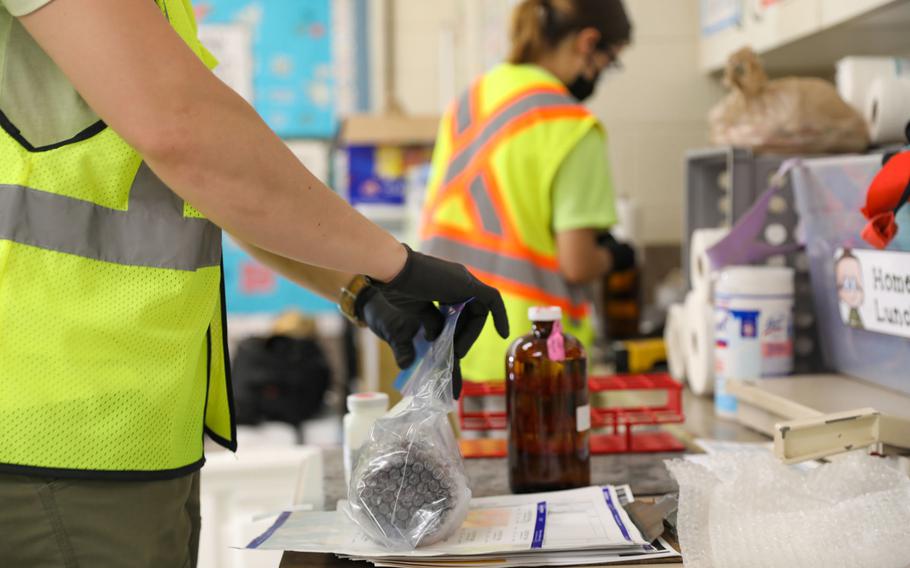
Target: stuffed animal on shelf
{"points": [[794, 115]]}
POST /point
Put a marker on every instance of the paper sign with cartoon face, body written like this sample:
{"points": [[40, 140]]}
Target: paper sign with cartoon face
{"points": [[873, 290], [850, 290]]}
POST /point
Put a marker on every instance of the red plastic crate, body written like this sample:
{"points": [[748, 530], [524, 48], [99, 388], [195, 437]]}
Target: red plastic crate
{"points": [[637, 443], [481, 420], [622, 421], [484, 448]]}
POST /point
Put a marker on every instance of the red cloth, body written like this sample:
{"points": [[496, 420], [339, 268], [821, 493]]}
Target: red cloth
{"points": [[884, 198]]}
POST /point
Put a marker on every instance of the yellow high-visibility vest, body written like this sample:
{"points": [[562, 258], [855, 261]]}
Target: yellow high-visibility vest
{"points": [[489, 203], [113, 359]]}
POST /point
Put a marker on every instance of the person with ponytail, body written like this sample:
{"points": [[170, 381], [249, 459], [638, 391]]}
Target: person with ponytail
{"points": [[521, 190]]}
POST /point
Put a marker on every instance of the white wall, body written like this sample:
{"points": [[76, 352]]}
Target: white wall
{"points": [[654, 110]]}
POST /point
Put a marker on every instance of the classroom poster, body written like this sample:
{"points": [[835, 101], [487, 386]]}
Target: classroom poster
{"points": [[719, 15], [251, 288], [293, 78]]}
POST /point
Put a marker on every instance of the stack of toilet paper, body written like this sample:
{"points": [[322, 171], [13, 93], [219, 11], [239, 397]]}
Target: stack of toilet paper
{"points": [[879, 88], [887, 110], [689, 332]]}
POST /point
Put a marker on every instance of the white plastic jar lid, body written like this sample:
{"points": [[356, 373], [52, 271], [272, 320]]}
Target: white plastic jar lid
{"points": [[368, 401], [756, 281], [545, 313]]}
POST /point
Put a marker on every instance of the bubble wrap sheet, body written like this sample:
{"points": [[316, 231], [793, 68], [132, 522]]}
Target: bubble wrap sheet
{"points": [[408, 487], [745, 511]]}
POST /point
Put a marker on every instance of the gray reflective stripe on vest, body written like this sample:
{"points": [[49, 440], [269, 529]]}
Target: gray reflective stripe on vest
{"points": [[463, 114], [152, 233], [480, 194], [517, 270], [519, 108]]}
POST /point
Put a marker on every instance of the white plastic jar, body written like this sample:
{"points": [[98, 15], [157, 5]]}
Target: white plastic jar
{"points": [[363, 411], [753, 311]]}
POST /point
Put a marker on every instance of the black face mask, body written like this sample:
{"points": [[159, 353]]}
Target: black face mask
{"points": [[582, 88]]}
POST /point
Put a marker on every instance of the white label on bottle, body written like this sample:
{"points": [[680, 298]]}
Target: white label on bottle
{"points": [[583, 418]]}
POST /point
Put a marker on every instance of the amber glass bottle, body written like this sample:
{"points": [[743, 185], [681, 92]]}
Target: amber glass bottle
{"points": [[548, 412]]}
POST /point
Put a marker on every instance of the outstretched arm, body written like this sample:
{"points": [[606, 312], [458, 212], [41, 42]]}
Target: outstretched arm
{"points": [[203, 139]]}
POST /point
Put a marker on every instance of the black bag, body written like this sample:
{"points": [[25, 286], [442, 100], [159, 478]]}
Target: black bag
{"points": [[279, 379]]}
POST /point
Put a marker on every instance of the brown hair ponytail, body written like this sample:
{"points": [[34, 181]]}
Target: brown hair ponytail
{"points": [[540, 25]]}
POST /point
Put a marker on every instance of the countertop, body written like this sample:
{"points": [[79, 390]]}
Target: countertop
{"points": [[644, 472]]}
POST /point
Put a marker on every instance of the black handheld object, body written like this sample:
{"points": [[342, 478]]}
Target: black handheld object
{"points": [[623, 254]]}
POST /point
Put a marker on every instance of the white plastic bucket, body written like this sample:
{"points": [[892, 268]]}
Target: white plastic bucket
{"points": [[753, 311]]}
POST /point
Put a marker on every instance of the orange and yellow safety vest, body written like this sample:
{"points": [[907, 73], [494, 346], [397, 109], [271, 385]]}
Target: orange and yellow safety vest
{"points": [[489, 203]]}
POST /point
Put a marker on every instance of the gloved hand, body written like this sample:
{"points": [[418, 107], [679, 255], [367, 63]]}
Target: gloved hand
{"points": [[425, 280], [397, 328], [623, 254]]}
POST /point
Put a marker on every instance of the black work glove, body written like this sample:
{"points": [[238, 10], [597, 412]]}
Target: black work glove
{"points": [[623, 254], [397, 328], [406, 303]]}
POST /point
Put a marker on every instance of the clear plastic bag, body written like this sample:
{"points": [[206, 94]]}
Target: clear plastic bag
{"points": [[751, 511], [408, 487]]}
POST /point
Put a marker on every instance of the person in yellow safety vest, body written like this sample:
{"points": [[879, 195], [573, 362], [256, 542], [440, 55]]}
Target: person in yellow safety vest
{"points": [[121, 155], [521, 190]]}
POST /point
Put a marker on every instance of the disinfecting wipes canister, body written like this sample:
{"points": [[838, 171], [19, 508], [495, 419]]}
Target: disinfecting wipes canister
{"points": [[753, 327]]}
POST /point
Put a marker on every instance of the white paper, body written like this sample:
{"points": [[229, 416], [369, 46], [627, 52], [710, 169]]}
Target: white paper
{"points": [[314, 155], [873, 290], [577, 519], [583, 418], [565, 503], [661, 550], [505, 529], [232, 46], [582, 519]]}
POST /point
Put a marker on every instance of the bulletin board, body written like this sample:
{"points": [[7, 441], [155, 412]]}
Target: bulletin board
{"points": [[252, 289], [292, 67]]}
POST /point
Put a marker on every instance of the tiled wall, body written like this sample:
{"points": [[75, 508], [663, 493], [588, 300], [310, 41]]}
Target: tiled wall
{"points": [[655, 110]]}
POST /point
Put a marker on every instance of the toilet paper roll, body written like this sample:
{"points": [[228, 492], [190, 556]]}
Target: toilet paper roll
{"points": [[856, 74], [699, 344], [888, 110], [700, 272], [675, 340]]}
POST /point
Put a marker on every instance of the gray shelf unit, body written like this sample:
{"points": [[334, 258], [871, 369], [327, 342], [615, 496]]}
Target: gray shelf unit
{"points": [[722, 184]]}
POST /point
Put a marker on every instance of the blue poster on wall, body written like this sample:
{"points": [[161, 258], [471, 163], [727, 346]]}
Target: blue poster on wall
{"points": [[293, 75], [719, 15], [251, 288]]}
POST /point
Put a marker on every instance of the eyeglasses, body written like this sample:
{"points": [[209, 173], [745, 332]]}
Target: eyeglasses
{"points": [[608, 60], [615, 64]]}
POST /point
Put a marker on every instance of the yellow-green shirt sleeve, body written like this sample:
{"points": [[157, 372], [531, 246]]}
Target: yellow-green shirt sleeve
{"points": [[23, 7], [583, 195]]}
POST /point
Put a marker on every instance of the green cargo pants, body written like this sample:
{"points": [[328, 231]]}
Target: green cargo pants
{"points": [[69, 523]]}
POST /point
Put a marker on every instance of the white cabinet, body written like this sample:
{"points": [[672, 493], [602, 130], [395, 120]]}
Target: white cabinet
{"points": [[834, 12], [811, 35], [784, 22], [762, 29]]}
